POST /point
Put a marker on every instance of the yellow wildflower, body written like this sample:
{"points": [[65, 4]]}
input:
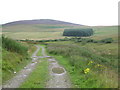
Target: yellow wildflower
{"points": [[86, 70], [90, 62], [99, 65]]}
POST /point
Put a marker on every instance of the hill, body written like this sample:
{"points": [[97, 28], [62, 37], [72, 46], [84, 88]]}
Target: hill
{"points": [[52, 29], [40, 21], [37, 29]]}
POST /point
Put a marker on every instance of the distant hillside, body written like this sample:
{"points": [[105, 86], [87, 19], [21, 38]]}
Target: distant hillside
{"points": [[37, 29], [40, 21]]}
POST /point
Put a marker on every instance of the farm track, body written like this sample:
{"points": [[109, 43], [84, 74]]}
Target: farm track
{"points": [[58, 78], [17, 80]]}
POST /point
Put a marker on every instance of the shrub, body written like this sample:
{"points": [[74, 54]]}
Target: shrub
{"points": [[85, 40], [107, 40]]}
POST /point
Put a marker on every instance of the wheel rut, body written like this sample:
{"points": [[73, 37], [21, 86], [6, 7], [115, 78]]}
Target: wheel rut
{"points": [[58, 76]]}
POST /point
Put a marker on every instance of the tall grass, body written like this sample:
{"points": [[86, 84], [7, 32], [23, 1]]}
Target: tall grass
{"points": [[15, 56], [77, 59], [13, 46], [75, 52]]}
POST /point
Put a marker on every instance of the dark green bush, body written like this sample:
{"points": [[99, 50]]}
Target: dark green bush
{"points": [[107, 40], [86, 40]]}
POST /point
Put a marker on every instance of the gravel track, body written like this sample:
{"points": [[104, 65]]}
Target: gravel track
{"points": [[58, 75], [17, 80]]}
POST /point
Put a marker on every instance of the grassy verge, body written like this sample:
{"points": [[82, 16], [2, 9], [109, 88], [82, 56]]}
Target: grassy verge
{"points": [[38, 78], [15, 55], [86, 68], [91, 80], [14, 63]]}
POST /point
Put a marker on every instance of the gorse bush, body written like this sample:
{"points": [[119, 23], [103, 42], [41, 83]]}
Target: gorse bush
{"points": [[13, 46]]}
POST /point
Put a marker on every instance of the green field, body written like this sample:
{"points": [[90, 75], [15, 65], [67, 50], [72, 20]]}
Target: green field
{"points": [[38, 32], [105, 32]]}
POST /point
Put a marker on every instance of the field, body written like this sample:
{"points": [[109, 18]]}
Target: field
{"points": [[105, 32], [38, 32]]}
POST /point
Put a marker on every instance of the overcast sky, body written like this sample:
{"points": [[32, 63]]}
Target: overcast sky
{"points": [[86, 12]]}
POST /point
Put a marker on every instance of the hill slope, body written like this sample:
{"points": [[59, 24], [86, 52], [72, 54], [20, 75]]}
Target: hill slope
{"points": [[40, 21], [52, 29], [37, 29]]}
